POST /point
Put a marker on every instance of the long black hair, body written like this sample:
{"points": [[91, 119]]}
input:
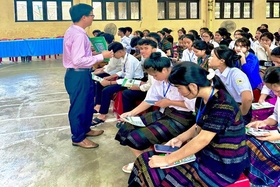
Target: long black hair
{"points": [[272, 75], [156, 63], [228, 55], [189, 72], [202, 45]]}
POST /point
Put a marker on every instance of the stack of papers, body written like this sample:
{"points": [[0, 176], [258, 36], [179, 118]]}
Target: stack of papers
{"points": [[257, 106], [134, 120]]}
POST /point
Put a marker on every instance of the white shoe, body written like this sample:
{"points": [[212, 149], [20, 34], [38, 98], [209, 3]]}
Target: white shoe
{"points": [[128, 167]]}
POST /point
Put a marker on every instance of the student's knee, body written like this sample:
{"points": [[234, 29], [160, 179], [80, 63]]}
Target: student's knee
{"points": [[127, 94]]}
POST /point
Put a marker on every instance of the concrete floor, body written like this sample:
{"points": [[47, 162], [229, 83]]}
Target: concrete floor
{"points": [[35, 148]]}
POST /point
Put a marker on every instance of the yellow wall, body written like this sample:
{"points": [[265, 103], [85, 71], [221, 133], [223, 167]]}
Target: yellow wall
{"points": [[11, 29]]}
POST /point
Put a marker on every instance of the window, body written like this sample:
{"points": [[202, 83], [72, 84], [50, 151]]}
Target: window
{"points": [[116, 9], [42, 10], [178, 9], [272, 9], [233, 9]]}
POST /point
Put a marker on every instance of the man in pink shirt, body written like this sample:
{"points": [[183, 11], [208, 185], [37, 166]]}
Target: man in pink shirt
{"points": [[78, 60]]}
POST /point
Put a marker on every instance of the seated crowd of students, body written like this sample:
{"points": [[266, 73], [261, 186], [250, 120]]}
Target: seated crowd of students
{"points": [[203, 86]]}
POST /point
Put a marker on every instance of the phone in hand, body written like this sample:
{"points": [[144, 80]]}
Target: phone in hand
{"points": [[165, 148]]}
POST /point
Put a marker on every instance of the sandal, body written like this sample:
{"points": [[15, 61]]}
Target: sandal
{"points": [[119, 124], [128, 167], [96, 122]]}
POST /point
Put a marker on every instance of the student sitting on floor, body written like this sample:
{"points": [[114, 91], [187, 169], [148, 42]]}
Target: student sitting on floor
{"points": [[174, 116], [236, 81], [217, 139], [264, 155], [131, 69]]}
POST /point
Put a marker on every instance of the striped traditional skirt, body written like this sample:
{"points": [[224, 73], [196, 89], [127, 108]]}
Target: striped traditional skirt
{"points": [[264, 162], [160, 127], [193, 174]]}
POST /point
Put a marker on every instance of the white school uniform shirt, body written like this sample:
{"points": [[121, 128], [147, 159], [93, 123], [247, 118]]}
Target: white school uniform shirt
{"points": [[265, 90], [275, 114], [125, 41], [163, 54], [161, 89], [261, 53], [189, 56], [215, 44], [113, 66], [231, 44], [236, 82], [145, 87], [131, 68]]}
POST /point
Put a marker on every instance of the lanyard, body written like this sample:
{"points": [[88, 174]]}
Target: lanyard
{"points": [[125, 63], [165, 91], [199, 113], [190, 57]]}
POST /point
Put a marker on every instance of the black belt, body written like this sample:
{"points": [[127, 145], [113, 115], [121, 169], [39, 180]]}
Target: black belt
{"points": [[79, 69]]}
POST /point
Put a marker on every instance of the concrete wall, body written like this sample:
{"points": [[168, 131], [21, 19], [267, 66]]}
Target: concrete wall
{"points": [[11, 29]]}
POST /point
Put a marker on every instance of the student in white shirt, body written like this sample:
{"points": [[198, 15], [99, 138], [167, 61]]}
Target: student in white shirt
{"points": [[237, 34], [125, 41], [208, 37], [236, 82], [188, 53], [128, 32], [138, 93], [263, 51], [174, 116], [131, 69]]}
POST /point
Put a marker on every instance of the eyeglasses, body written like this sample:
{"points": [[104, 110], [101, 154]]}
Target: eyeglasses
{"points": [[92, 15]]}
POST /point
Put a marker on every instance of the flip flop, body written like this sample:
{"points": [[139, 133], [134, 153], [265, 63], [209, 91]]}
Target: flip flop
{"points": [[128, 167], [96, 122]]}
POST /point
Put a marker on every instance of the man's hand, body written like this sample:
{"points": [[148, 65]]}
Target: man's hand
{"points": [[98, 71], [108, 54]]}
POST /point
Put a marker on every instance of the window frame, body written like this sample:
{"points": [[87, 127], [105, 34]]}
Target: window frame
{"points": [[116, 9], [177, 16], [242, 2], [271, 10], [30, 17]]}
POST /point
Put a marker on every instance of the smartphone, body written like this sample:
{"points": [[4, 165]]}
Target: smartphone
{"points": [[165, 148]]}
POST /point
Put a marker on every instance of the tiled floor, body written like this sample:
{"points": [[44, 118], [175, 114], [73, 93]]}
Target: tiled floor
{"points": [[36, 148]]}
